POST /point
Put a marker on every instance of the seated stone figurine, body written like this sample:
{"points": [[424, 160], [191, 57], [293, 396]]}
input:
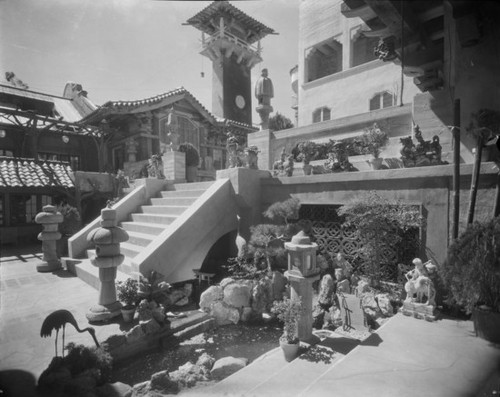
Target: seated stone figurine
{"points": [[419, 287]]}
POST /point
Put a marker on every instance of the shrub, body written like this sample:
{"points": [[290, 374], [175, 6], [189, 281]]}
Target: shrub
{"points": [[192, 155], [96, 360], [471, 272], [378, 223]]}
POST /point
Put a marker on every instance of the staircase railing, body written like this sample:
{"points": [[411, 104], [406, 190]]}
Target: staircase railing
{"points": [[145, 190]]}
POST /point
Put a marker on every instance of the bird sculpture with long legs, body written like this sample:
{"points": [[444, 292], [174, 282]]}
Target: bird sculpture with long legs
{"points": [[59, 319]]}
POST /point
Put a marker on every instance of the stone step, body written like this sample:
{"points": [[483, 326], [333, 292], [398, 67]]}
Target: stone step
{"points": [[183, 193], [174, 201], [164, 209], [146, 228], [194, 185], [89, 273], [153, 218], [131, 250], [140, 239]]}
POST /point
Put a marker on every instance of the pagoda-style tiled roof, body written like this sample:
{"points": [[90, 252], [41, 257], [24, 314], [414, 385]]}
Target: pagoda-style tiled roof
{"points": [[123, 107], [203, 20], [19, 172]]}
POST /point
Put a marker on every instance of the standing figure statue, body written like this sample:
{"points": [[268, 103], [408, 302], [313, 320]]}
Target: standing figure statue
{"points": [[264, 91]]}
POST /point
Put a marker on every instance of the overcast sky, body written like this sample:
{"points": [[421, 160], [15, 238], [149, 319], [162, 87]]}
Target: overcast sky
{"points": [[133, 49]]}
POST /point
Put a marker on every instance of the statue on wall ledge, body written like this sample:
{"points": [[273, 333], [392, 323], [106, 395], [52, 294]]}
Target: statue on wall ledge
{"points": [[422, 154], [233, 151], [264, 91]]}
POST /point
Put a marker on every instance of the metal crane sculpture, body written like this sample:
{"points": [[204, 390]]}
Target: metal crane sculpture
{"points": [[58, 320]]}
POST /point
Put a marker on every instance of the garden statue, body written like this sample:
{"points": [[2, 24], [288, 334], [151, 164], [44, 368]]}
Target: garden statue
{"points": [[279, 165], [422, 154], [289, 166], [251, 153], [408, 152], [120, 183], [338, 159], [233, 151], [420, 291], [264, 91], [342, 264], [155, 167]]}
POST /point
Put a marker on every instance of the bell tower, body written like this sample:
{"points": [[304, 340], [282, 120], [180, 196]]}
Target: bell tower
{"points": [[231, 40]]}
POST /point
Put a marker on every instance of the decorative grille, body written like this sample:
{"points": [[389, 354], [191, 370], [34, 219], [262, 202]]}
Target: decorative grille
{"points": [[332, 237]]}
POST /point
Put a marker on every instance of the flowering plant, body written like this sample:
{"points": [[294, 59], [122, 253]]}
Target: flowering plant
{"points": [[288, 311], [375, 140]]}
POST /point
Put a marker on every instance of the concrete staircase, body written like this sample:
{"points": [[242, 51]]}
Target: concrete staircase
{"points": [[144, 227]]}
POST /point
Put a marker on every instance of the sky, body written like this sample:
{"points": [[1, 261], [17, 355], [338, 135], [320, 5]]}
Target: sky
{"points": [[134, 49]]}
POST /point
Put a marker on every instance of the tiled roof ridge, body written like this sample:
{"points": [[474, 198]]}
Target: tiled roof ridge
{"points": [[152, 99], [32, 160], [33, 92]]}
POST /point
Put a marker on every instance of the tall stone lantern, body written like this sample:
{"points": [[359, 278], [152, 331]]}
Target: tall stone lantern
{"points": [[302, 273], [49, 218], [107, 239]]}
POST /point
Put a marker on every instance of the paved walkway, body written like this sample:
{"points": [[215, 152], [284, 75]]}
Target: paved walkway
{"points": [[406, 357]]}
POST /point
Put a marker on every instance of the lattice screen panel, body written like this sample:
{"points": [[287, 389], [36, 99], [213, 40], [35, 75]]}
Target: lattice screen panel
{"points": [[332, 237]]}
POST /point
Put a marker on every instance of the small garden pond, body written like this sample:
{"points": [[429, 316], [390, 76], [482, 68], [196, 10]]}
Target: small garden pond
{"points": [[242, 340]]}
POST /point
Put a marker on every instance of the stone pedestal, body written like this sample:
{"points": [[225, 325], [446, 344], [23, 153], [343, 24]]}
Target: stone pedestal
{"points": [[174, 166], [419, 310], [107, 241], [264, 111], [49, 218], [301, 288]]}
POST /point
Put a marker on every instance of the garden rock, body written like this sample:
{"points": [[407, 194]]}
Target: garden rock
{"points": [[237, 295], [279, 283], [188, 289], [326, 293], [145, 310], [210, 296], [161, 381], [182, 302], [189, 374], [177, 295], [246, 314], [227, 366], [226, 281], [135, 334], [117, 389], [224, 314], [344, 286], [362, 287], [385, 305], [206, 361], [150, 327]]}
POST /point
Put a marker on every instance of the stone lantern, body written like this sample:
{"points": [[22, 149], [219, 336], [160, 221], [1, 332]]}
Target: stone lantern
{"points": [[107, 241], [302, 255], [302, 273], [49, 218]]}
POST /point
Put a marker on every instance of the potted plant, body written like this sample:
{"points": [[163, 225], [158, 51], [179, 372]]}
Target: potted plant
{"points": [[307, 152], [127, 292], [471, 274], [375, 140], [192, 160], [71, 223], [288, 311]]}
